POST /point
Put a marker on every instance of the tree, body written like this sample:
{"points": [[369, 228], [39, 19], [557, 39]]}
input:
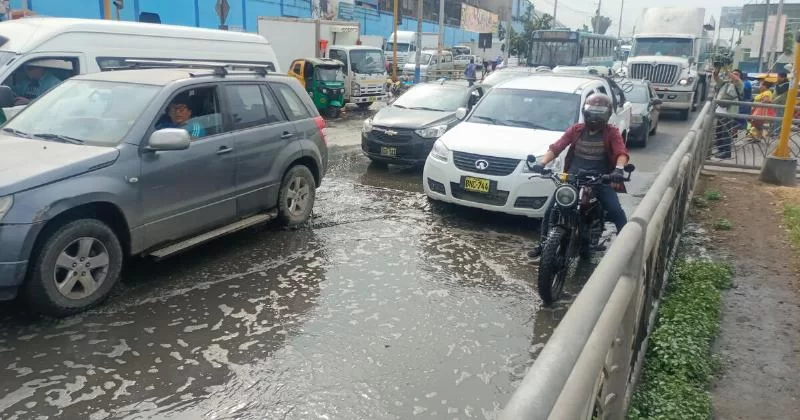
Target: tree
{"points": [[601, 24], [584, 28], [520, 42]]}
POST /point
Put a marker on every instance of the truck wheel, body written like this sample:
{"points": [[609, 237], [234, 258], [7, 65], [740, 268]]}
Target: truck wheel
{"points": [[364, 106], [76, 268], [296, 197]]}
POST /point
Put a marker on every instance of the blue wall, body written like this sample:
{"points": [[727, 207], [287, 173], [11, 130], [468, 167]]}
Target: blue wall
{"points": [[243, 14]]}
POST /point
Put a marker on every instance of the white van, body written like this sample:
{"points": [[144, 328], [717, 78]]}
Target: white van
{"points": [[62, 48], [430, 61]]}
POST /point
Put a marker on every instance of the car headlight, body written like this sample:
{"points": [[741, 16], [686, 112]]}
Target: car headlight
{"points": [[637, 119], [367, 127], [5, 205], [432, 132], [440, 152], [686, 81], [566, 195]]}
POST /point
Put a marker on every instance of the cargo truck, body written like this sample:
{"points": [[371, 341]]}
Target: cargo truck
{"points": [[407, 43]]}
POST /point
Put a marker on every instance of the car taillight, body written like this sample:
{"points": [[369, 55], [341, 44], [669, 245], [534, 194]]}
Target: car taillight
{"points": [[321, 127]]}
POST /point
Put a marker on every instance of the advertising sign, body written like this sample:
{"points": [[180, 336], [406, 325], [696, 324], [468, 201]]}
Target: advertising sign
{"points": [[478, 20], [730, 17]]}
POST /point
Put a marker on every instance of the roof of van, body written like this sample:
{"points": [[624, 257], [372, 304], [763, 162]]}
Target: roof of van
{"points": [[160, 76], [25, 34], [355, 47], [549, 82]]}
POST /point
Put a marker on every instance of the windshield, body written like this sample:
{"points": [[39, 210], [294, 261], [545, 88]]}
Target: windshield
{"points": [[433, 97], [329, 74], [424, 58], [553, 111], [401, 46], [673, 47], [554, 53], [496, 77], [638, 94], [367, 61], [97, 113]]}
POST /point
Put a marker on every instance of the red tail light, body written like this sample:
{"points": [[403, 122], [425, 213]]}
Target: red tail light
{"points": [[321, 126]]}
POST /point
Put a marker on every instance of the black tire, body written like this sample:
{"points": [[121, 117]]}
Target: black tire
{"points": [[683, 114], [298, 180], [332, 112], [364, 105], [642, 142], [655, 127], [375, 163], [552, 266], [42, 287]]}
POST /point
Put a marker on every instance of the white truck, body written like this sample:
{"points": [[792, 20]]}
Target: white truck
{"points": [[407, 44], [365, 73], [672, 51], [294, 38], [373, 41]]}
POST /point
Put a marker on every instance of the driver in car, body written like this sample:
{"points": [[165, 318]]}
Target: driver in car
{"points": [[180, 115], [594, 145]]}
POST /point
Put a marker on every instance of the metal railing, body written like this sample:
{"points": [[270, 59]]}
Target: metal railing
{"points": [[592, 362]]}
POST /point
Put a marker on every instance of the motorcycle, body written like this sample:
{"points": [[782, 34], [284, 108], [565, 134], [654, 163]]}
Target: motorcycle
{"points": [[577, 221], [395, 88]]}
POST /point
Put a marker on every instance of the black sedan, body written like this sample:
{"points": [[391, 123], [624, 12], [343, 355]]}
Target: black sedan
{"points": [[644, 113], [404, 132]]}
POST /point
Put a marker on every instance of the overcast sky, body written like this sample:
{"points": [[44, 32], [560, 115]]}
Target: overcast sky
{"points": [[575, 13]]}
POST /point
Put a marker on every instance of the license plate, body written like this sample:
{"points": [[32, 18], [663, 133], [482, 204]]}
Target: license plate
{"points": [[476, 184], [372, 99], [389, 151]]}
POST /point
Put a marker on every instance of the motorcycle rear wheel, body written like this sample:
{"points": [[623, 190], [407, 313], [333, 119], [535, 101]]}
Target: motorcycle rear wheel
{"points": [[558, 254]]}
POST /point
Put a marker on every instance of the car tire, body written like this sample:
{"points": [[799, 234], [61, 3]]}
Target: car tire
{"points": [[655, 127], [364, 105], [375, 163], [642, 143], [87, 244], [296, 197]]}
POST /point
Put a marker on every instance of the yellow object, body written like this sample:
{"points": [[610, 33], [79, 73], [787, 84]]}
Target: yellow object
{"points": [[297, 69], [564, 177], [107, 9], [394, 42], [782, 151]]}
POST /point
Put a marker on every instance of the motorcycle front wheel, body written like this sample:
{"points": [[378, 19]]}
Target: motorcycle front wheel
{"points": [[558, 254]]}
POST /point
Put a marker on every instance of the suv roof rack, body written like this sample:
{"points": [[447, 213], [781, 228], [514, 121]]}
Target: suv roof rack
{"points": [[220, 68]]}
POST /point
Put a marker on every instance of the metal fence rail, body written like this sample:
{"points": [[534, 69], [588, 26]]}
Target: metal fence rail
{"points": [[590, 365]]}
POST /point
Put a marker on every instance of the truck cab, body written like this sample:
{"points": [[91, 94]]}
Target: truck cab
{"points": [[406, 44], [365, 73]]}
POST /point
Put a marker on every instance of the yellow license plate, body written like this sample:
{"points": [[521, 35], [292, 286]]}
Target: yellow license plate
{"points": [[372, 99], [389, 151], [476, 184]]}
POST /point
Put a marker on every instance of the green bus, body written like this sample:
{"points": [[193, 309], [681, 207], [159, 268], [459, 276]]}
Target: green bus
{"points": [[560, 47]]}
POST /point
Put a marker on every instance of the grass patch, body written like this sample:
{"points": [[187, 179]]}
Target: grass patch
{"points": [[791, 214], [723, 224], [700, 202], [679, 363], [713, 195]]}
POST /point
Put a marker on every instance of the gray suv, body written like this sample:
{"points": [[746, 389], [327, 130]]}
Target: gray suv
{"points": [[146, 162]]}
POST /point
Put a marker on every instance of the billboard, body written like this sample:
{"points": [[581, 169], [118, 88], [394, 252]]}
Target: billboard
{"points": [[753, 40], [478, 20], [730, 17]]}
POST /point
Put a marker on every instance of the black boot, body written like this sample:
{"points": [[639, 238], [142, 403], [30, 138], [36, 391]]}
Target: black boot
{"points": [[536, 252]]}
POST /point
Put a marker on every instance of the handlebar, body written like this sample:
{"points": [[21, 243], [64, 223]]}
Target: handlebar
{"points": [[588, 177]]}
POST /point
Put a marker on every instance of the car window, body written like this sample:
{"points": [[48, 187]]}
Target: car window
{"points": [[246, 105], [433, 97], [341, 56], [196, 110], [274, 113], [295, 108], [35, 77], [296, 68], [537, 109]]}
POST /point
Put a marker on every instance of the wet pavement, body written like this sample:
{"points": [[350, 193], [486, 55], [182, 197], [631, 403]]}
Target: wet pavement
{"points": [[381, 308]]}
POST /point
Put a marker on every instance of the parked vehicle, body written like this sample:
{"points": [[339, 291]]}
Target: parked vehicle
{"points": [[404, 131], [431, 62], [294, 38], [560, 47], [376, 41], [461, 50], [323, 79], [407, 45], [364, 71], [147, 163], [479, 162], [508, 73], [576, 226], [645, 112], [461, 61]]}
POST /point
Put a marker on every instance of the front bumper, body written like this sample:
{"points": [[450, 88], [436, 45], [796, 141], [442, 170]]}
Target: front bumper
{"points": [[405, 147], [675, 99], [512, 194], [368, 99], [16, 242]]}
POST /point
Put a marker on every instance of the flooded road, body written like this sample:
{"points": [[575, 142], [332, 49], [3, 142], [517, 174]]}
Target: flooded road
{"points": [[382, 308]]}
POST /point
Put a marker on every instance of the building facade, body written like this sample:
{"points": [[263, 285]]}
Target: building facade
{"points": [[755, 13]]}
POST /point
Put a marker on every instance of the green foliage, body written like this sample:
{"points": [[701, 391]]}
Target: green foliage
{"points": [[679, 363], [723, 224], [520, 42], [713, 195], [700, 202], [791, 214]]}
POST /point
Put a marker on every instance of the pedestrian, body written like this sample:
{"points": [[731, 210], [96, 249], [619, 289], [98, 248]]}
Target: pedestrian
{"points": [[470, 73], [779, 98], [758, 126], [747, 96], [726, 127]]}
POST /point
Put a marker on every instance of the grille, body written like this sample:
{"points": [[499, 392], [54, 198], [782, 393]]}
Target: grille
{"points": [[663, 74], [530, 202], [497, 166], [402, 136], [367, 90], [498, 198]]}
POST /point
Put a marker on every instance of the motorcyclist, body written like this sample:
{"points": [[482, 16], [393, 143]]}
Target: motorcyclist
{"points": [[597, 146]]}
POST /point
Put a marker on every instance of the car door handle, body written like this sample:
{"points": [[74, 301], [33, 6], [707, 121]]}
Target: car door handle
{"points": [[286, 135], [224, 150]]}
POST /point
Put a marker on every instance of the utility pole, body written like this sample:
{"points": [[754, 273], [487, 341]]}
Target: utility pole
{"points": [[621, 8], [555, 12], [441, 25], [596, 25], [774, 54], [394, 44], [508, 30], [763, 35], [107, 9], [419, 41]]}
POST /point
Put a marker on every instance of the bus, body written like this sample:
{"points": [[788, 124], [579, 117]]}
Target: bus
{"points": [[556, 47]]}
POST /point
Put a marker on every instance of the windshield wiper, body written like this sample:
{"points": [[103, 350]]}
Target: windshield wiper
{"points": [[17, 133], [399, 106], [425, 108], [61, 138], [490, 119], [528, 124]]}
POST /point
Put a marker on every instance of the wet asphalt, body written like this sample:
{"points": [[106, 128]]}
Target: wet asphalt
{"points": [[380, 308]]}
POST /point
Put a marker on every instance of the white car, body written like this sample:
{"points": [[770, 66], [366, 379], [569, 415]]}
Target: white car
{"points": [[481, 161]]}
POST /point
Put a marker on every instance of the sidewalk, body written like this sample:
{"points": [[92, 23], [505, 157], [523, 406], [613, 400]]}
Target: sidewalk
{"points": [[759, 341]]}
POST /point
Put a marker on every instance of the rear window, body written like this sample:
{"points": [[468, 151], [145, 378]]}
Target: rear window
{"points": [[295, 108]]}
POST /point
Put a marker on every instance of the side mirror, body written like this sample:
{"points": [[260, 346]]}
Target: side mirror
{"points": [[531, 160], [6, 97], [461, 113], [629, 168], [656, 101], [169, 139]]}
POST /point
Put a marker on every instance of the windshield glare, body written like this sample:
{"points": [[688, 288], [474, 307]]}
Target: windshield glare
{"points": [[367, 61], [554, 53], [637, 95], [673, 47], [98, 113], [553, 111], [424, 58], [439, 98], [329, 74]]}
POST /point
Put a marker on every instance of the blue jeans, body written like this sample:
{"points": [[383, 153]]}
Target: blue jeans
{"points": [[610, 201]]}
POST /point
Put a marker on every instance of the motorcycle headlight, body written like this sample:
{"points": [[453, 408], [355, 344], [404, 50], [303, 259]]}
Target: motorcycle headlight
{"points": [[566, 195], [440, 152], [367, 127], [432, 132], [5, 205]]}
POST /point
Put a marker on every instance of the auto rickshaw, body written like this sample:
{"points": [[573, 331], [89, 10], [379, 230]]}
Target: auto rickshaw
{"points": [[323, 79]]}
